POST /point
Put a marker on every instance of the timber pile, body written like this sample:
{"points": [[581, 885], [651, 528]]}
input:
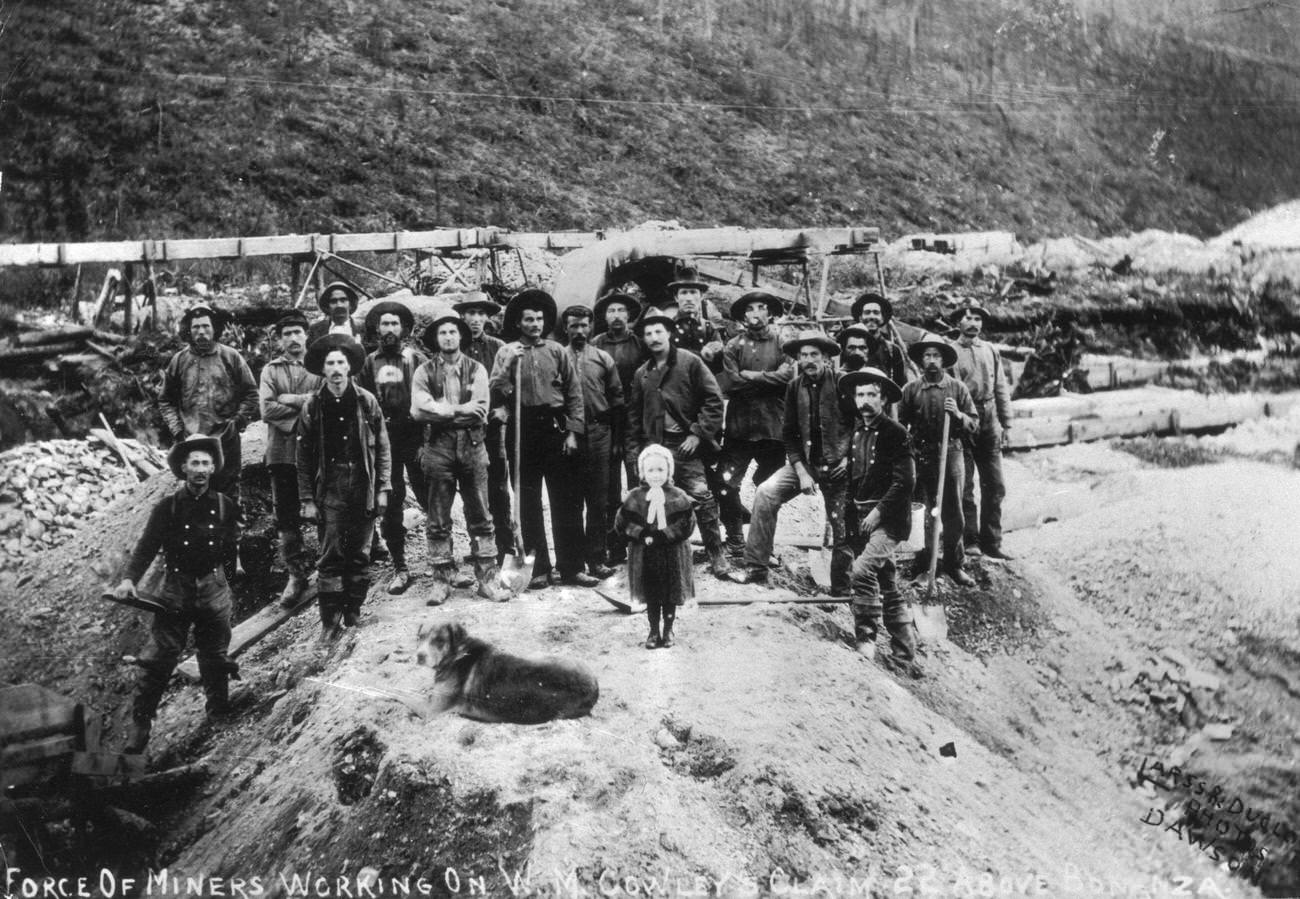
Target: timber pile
{"points": [[48, 490], [38, 346]]}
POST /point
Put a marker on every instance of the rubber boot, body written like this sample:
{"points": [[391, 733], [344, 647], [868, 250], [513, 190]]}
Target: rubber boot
{"points": [[459, 580], [331, 613], [654, 639], [216, 686], [670, 615], [485, 573], [866, 624], [719, 564], [293, 590], [354, 595], [439, 586]]}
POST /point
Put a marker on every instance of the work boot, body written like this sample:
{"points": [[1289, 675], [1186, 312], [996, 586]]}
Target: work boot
{"points": [[748, 576], [996, 552], [864, 639], [735, 546], [654, 638], [401, 580], [459, 580], [960, 577], [331, 611], [670, 615], [351, 613], [293, 590], [137, 737], [600, 571], [579, 579], [486, 574], [440, 585], [378, 551], [719, 564]]}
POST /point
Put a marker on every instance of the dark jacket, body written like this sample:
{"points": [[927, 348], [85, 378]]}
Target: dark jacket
{"points": [[885, 477], [660, 572], [549, 379], [201, 394], [428, 385], [376, 453], [389, 378], [755, 374], [684, 389], [195, 535], [796, 431], [921, 412]]}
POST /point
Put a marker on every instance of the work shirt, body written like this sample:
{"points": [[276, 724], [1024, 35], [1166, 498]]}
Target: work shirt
{"points": [[461, 382], [755, 373], [921, 410], [549, 379], [373, 451], [627, 351], [201, 392], [979, 367], [389, 377], [279, 376], [338, 416], [602, 391], [194, 532], [815, 430], [483, 350], [694, 333], [882, 474], [682, 391]]}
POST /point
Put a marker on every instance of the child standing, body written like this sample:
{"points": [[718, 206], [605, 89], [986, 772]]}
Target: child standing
{"points": [[657, 520]]}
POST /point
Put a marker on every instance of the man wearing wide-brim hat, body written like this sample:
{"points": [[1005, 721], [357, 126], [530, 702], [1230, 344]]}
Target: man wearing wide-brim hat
{"points": [[878, 513], [477, 309], [694, 331], [925, 403], [979, 366], [612, 318], [338, 300], [196, 528], [449, 398], [755, 374], [344, 471], [876, 314], [552, 418], [208, 388], [387, 373], [282, 390], [816, 434]]}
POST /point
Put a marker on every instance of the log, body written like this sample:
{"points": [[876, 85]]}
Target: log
{"points": [[54, 335], [252, 629], [27, 355]]}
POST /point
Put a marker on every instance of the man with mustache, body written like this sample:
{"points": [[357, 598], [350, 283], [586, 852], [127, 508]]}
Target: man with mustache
{"points": [[924, 404], [195, 528], [816, 435], [755, 374], [476, 309], [387, 373], [338, 300], [878, 515], [450, 396], [552, 420], [875, 313], [980, 366], [209, 389], [344, 469], [282, 390], [602, 402], [675, 402], [615, 312], [693, 330]]}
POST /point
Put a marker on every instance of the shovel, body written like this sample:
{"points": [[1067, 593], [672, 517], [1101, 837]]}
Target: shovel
{"points": [[517, 567], [936, 512]]}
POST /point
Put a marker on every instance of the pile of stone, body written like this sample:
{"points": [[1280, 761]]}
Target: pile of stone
{"points": [[49, 489], [1169, 684]]}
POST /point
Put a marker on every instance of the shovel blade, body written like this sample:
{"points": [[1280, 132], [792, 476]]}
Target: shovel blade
{"points": [[819, 566], [515, 573]]}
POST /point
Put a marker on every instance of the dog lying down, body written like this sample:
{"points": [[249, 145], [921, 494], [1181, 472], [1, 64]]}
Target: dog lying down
{"points": [[475, 680]]}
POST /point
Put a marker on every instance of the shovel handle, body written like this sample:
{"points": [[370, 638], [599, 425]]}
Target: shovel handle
{"points": [[937, 527]]}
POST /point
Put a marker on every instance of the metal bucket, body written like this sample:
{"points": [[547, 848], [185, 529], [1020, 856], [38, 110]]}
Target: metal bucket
{"points": [[916, 542]]}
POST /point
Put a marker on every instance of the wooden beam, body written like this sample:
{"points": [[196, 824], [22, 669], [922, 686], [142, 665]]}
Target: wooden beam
{"points": [[252, 629]]}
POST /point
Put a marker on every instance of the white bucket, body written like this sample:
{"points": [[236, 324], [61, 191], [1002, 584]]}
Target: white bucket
{"points": [[916, 542]]}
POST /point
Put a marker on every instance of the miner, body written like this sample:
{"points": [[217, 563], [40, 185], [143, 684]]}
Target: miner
{"points": [[615, 313], [338, 300]]}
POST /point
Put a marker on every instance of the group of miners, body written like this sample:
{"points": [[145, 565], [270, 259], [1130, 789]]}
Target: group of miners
{"points": [[348, 429]]}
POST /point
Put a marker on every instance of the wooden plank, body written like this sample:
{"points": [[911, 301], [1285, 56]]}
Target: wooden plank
{"points": [[1085, 429], [31, 751], [115, 251], [211, 248], [254, 628], [1031, 433]]}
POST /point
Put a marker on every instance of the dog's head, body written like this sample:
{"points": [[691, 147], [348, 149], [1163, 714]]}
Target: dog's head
{"points": [[439, 645]]}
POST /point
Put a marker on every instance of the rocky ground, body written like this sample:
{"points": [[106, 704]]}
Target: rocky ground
{"points": [[1151, 619]]}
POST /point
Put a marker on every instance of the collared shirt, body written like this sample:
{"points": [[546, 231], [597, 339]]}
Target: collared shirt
{"points": [[283, 375], [693, 334], [627, 351], [979, 367], [814, 389], [755, 373], [921, 409], [388, 377], [682, 394], [483, 350], [201, 392], [459, 381], [549, 379], [602, 391], [339, 419], [191, 530]]}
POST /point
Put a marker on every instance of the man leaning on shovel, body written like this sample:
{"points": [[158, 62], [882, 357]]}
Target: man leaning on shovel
{"points": [[195, 528]]}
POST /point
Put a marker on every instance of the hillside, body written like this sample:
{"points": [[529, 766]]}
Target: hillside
{"points": [[131, 119]]}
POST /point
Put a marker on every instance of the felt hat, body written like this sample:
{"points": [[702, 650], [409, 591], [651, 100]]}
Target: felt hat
{"points": [[969, 307], [477, 301], [655, 317], [633, 307], [430, 336], [353, 297], [177, 455], [811, 337], [886, 307], [220, 318], [652, 451], [687, 278], [289, 319], [532, 298], [850, 381], [321, 347], [857, 329], [933, 341], [774, 305], [389, 307]]}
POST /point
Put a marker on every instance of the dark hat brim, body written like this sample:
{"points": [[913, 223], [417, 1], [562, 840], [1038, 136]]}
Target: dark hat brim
{"points": [[854, 330], [633, 307], [774, 305], [969, 307], [482, 305], [850, 381], [821, 341], [886, 307], [354, 298], [289, 320], [177, 455], [666, 321], [389, 307], [430, 336], [535, 299], [674, 286], [322, 346], [916, 350]]}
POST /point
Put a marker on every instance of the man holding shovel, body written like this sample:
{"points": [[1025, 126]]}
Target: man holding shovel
{"points": [[925, 405], [879, 513], [450, 395]]}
